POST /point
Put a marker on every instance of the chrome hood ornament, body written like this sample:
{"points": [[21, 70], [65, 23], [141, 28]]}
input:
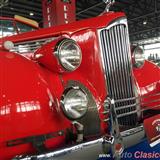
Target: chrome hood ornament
{"points": [[117, 147], [109, 3]]}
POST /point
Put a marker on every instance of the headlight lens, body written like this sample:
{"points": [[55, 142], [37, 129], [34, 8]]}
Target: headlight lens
{"points": [[139, 57], [69, 54], [74, 103]]}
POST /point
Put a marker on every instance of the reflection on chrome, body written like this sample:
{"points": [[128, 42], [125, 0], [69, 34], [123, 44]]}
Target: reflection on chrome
{"points": [[62, 152], [74, 103], [28, 106]]}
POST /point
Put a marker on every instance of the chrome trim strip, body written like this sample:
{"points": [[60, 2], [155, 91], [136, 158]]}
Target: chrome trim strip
{"points": [[37, 40], [30, 46], [126, 114], [62, 152], [127, 106], [132, 131]]}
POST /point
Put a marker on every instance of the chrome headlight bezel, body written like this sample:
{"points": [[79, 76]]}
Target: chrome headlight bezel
{"points": [[138, 57], [71, 60], [66, 94]]}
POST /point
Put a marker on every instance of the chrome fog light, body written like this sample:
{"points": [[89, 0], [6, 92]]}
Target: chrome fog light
{"points": [[74, 103]]}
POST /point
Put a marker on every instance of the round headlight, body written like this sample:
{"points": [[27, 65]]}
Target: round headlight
{"points": [[139, 57], [74, 103], [69, 54]]}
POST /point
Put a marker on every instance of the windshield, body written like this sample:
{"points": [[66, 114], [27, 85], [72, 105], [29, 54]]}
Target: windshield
{"points": [[24, 27], [11, 27], [7, 28]]}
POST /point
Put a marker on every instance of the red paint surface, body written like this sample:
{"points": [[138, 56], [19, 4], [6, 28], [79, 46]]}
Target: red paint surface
{"points": [[24, 105]]}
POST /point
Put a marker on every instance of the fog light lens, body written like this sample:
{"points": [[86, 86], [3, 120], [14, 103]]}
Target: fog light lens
{"points": [[74, 103]]}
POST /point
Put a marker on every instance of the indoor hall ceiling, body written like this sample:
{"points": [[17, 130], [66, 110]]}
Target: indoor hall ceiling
{"points": [[143, 15]]}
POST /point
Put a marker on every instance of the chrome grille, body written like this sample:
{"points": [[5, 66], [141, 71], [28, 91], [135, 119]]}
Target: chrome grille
{"points": [[117, 67], [30, 46]]}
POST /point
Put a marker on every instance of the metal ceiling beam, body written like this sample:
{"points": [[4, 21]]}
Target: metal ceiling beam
{"points": [[16, 10], [146, 30], [27, 2], [144, 16], [12, 13], [89, 8], [30, 8]]}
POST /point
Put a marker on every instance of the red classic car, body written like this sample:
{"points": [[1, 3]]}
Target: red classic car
{"points": [[81, 88]]}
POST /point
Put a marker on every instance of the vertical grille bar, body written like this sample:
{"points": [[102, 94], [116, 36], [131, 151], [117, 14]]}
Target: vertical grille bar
{"points": [[117, 66]]}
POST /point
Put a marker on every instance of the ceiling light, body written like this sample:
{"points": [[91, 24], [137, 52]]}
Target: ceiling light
{"points": [[145, 22], [31, 14]]}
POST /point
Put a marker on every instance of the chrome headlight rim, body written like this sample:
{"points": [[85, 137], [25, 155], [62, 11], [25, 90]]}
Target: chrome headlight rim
{"points": [[137, 63], [58, 50], [63, 105]]}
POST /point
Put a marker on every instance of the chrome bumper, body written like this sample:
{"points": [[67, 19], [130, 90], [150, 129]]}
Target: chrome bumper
{"points": [[88, 150], [64, 151]]}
